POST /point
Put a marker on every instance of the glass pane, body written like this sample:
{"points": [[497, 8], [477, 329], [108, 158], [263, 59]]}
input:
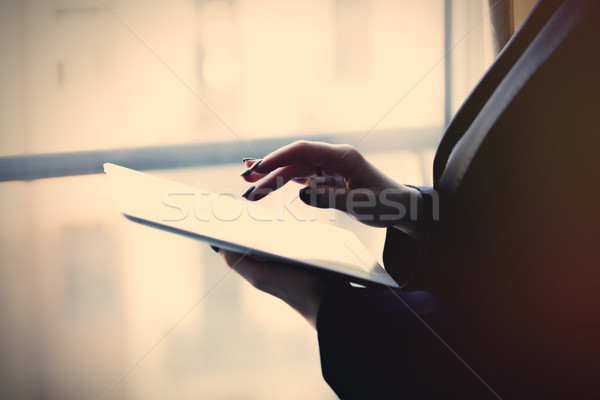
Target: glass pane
{"points": [[92, 302], [86, 294], [85, 76]]}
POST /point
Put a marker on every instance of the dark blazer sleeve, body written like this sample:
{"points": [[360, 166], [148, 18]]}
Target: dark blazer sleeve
{"points": [[511, 270], [400, 255], [401, 251], [380, 344]]}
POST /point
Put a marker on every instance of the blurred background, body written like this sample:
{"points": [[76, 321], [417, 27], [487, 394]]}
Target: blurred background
{"points": [[93, 306]]}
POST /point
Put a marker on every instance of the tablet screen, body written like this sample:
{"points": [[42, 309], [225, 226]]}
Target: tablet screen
{"points": [[228, 221]]}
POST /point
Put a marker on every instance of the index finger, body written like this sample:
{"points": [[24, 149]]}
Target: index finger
{"points": [[340, 158]]}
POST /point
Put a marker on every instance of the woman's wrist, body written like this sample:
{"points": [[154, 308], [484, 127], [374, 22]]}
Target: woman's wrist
{"points": [[414, 222]]}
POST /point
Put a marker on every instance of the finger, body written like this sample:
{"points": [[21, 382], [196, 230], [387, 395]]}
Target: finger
{"points": [[316, 178], [230, 257], [258, 273], [319, 180], [241, 263], [328, 181], [360, 203], [323, 196], [248, 162], [249, 175], [253, 177], [303, 181], [278, 178], [340, 159]]}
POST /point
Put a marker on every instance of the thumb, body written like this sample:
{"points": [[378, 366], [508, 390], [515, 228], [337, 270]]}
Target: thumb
{"points": [[323, 196]]}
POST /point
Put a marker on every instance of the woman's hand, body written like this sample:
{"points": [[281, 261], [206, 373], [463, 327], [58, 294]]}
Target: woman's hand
{"points": [[337, 176], [303, 290]]}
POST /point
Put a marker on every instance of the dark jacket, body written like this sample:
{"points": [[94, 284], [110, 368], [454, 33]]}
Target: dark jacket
{"points": [[502, 298]]}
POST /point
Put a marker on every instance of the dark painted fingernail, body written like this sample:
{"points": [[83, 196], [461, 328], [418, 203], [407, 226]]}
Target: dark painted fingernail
{"points": [[303, 195], [252, 168], [247, 192], [256, 164], [215, 248], [248, 159]]}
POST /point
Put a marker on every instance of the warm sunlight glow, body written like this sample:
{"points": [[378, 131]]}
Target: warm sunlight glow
{"points": [[87, 295]]}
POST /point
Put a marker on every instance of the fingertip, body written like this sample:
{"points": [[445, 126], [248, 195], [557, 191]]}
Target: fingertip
{"points": [[303, 195], [255, 165], [257, 196], [254, 193], [231, 258], [252, 168], [252, 178], [248, 192], [308, 196]]}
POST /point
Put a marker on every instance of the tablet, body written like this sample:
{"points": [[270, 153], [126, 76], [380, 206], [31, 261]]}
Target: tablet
{"points": [[227, 221]]}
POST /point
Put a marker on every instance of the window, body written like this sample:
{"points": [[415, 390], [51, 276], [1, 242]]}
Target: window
{"points": [[188, 87]]}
